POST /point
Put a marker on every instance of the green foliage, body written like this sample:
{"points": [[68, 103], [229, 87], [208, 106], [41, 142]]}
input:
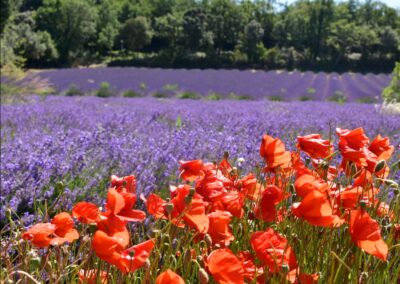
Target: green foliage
{"points": [[189, 95], [143, 86], [338, 97], [392, 92], [131, 94], [71, 23], [276, 98], [214, 96], [252, 36], [367, 100], [160, 95], [170, 87], [305, 98], [105, 90], [136, 33], [311, 91], [74, 90]]}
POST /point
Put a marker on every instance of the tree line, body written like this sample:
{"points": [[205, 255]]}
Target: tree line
{"points": [[308, 34]]}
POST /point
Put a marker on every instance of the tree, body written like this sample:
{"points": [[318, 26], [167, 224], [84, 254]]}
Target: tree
{"points": [[253, 34], [71, 23], [107, 26], [195, 28], [136, 33], [392, 92], [390, 40]]}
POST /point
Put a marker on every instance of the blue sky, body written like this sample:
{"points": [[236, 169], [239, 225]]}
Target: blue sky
{"points": [[392, 3]]}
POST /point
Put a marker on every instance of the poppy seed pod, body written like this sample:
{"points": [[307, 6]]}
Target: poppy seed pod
{"points": [[380, 166], [203, 276], [169, 207], [208, 240]]}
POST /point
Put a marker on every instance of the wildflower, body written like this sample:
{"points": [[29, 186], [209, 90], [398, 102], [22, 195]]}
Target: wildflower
{"points": [[124, 184], [316, 209], [86, 212], [273, 250], [271, 196], [366, 234], [314, 146], [225, 267], [274, 153], [120, 205], [91, 276], [219, 230], [155, 206], [169, 277], [191, 170]]}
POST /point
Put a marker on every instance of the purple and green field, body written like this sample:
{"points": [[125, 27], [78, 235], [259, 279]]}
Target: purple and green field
{"points": [[82, 140], [255, 84]]}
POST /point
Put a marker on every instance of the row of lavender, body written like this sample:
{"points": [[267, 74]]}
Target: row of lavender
{"points": [[252, 83], [83, 140]]}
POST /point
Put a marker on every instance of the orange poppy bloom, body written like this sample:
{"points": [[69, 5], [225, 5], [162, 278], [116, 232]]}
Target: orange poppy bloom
{"points": [[125, 184], [210, 187], [191, 170], [315, 146], [381, 147], [155, 206], [296, 277], [169, 277], [351, 196], [59, 231], [271, 196], [274, 153], [65, 231], [40, 234], [114, 227], [219, 228], [352, 144], [109, 249], [307, 183], [250, 188], [316, 209], [251, 271], [366, 234], [225, 267], [86, 212], [193, 209], [231, 201], [120, 204], [273, 250], [91, 276]]}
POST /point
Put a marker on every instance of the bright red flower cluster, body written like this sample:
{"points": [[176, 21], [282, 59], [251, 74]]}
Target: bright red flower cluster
{"points": [[214, 195]]}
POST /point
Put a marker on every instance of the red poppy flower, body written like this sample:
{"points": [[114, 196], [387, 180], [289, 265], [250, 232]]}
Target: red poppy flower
{"points": [[366, 234], [296, 277], [125, 184], [120, 204], [169, 277], [219, 228], [65, 231], [351, 196], [231, 201], [210, 187], [191, 170], [316, 209], [273, 250], [270, 197], [381, 147], [225, 267], [114, 227], [251, 271], [86, 212], [109, 249], [314, 146], [352, 144], [40, 234], [274, 153], [307, 183], [191, 207], [155, 206], [249, 187], [92, 276]]}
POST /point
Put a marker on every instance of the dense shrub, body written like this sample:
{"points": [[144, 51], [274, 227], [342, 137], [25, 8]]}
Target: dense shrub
{"points": [[131, 94], [74, 90], [105, 90], [189, 95], [392, 92]]}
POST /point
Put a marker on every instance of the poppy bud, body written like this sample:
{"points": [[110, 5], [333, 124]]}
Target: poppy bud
{"points": [[188, 256], [208, 240], [363, 204], [169, 207], [199, 259], [188, 199], [147, 264], [292, 188], [8, 213], [203, 276], [35, 262], [92, 228], [226, 155], [285, 268], [380, 166], [396, 191], [192, 191], [59, 188]]}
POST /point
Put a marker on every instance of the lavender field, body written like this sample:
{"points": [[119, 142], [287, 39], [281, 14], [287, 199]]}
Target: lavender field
{"points": [[82, 140], [256, 84]]}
